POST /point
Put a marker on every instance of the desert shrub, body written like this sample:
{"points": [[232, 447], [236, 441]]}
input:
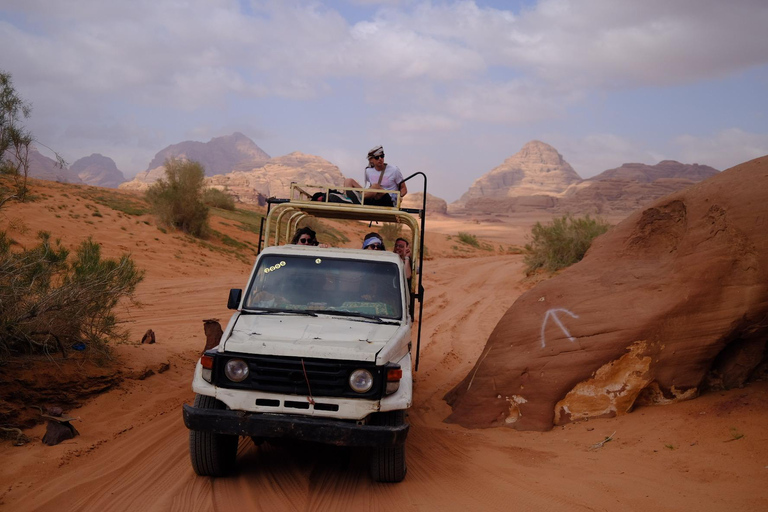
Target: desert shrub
{"points": [[562, 242], [48, 304], [218, 199], [469, 239], [177, 200]]}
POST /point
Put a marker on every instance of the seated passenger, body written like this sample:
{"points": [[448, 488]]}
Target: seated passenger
{"points": [[403, 249], [306, 236], [374, 242]]}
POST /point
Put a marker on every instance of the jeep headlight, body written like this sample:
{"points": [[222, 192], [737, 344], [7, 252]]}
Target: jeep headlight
{"points": [[360, 380], [236, 370]]}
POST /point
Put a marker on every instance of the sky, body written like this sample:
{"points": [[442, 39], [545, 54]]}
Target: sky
{"points": [[449, 88]]}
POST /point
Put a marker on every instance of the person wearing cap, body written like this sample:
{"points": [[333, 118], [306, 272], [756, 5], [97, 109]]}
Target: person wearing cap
{"points": [[381, 176]]}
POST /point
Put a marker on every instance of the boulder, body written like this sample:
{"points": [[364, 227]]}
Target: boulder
{"points": [[669, 302]]}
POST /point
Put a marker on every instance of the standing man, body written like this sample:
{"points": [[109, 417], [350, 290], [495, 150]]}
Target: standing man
{"points": [[380, 176]]}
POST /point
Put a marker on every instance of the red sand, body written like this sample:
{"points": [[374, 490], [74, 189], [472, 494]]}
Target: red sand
{"points": [[710, 453]]}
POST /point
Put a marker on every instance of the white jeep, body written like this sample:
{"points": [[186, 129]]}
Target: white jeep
{"points": [[319, 349]]}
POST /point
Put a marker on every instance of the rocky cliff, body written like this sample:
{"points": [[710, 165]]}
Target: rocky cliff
{"points": [[274, 178], [671, 301], [536, 169]]}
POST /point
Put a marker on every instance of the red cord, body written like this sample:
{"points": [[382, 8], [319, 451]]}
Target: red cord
{"points": [[306, 378]]}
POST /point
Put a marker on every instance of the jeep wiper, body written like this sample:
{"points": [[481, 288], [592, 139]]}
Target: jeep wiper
{"points": [[375, 318], [270, 311]]}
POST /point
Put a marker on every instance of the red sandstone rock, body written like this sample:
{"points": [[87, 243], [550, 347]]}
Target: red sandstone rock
{"points": [[213, 333], [148, 338], [672, 298]]}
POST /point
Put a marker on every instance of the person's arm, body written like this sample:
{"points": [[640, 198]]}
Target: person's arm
{"points": [[403, 189]]}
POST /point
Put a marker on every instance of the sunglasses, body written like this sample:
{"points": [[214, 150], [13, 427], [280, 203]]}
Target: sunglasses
{"points": [[305, 240], [377, 247], [377, 157]]}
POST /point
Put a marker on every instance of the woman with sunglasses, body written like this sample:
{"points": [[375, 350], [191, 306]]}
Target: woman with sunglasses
{"points": [[305, 236], [373, 242], [381, 176]]}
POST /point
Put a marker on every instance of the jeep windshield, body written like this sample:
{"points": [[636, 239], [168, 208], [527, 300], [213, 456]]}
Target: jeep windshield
{"points": [[285, 283]]}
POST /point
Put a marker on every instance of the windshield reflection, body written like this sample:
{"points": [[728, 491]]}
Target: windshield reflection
{"points": [[304, 283]]}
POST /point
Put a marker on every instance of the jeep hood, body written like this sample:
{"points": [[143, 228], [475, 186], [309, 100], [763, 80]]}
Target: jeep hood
{"points": [[323, 336]]}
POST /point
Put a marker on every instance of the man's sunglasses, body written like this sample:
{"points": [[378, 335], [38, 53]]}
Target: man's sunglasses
{"points": [[305, 240], [377, 247], [377, 157]]}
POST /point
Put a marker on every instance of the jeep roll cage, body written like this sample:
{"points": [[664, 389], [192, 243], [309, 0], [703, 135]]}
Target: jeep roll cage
{"points": [[283, 217]]}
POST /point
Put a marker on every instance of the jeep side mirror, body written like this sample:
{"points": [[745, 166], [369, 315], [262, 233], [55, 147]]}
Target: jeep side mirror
{"points": [[235, 295]]}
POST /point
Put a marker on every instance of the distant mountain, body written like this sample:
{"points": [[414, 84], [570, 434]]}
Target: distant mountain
{"points": [[220, 155], [538, 178], [631, 186], [643, 173], [536, 169], [44, 168], [274, 178], [98, 170]]}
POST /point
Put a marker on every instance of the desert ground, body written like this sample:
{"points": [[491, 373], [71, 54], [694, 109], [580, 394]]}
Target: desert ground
{"points": [[710, 453]]}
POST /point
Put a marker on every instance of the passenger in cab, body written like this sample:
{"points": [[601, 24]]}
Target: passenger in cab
{"points": [[373, 242], [403, 249]]}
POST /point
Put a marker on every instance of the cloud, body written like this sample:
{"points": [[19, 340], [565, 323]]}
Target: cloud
{"points": [[723, 149]]}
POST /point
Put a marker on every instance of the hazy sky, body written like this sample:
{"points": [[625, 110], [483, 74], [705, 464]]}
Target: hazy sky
{"points": [[450, 88]]}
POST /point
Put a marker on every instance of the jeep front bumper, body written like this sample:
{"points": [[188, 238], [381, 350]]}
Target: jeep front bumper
{"points": [[305, 428]]}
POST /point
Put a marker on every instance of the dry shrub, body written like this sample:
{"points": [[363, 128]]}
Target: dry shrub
{"points": [[562, 242], [48, 304], [177, 200]]}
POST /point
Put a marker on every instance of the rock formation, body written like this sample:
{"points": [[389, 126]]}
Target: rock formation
{"points": [[220, 155], [44, 168], [671, 301], [631, 186], [434, 203], [536, 169], [98, 170], [275, 177]]}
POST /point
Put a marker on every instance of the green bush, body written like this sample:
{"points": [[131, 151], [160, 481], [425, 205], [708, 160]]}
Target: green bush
{"points": [[177, 200], [218, 199], [562, 242], [48, 304], [469, 239]]}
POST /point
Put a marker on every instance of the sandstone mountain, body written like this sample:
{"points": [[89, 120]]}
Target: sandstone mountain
{"points": [[536, 169], [44, 168], [98, 170], [274, 178], [670, 302], [434, 203], [666, 169], [620, 190], [631, 186], [219, 155]]}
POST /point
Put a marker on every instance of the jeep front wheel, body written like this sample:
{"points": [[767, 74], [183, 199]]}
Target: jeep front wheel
{"points": [[212, 454], [388, 463]]}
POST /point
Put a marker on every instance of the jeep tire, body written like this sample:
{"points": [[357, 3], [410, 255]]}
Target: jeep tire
{"points": [[212, 454]]}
